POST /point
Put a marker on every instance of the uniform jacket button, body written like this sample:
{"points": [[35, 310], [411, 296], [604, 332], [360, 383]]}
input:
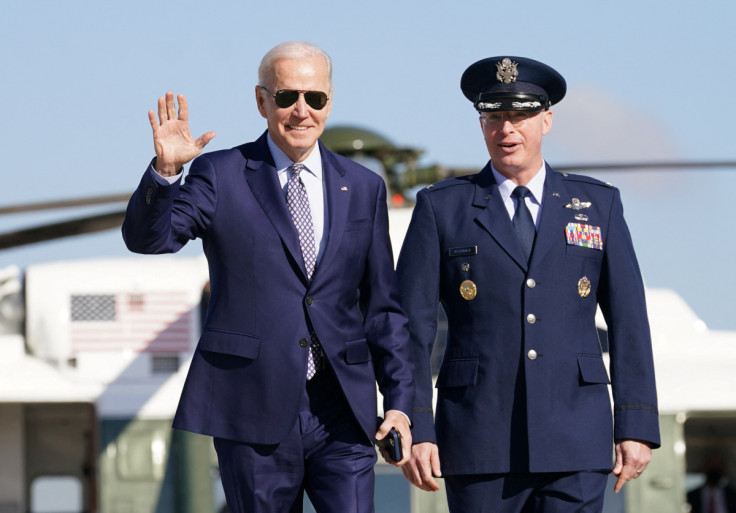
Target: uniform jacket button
{"points": [[310, 300], [531, 283], [531, 318], [304, 342], [532, 354]]}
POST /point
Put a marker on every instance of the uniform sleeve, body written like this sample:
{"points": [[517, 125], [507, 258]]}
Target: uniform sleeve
{"points": [[622, 301], [419, 277]]}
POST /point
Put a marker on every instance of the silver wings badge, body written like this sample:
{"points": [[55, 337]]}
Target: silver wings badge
{"points": [[576, 204]]}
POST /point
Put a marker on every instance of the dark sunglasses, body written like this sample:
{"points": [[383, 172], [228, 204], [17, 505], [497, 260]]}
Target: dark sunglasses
{"points": [[287, 97]]}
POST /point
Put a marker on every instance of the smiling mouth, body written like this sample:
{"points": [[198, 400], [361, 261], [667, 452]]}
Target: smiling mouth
{"points": [[298, 128]]}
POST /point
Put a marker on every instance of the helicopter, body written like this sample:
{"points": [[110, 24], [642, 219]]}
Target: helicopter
{"points": [[93, 354]]}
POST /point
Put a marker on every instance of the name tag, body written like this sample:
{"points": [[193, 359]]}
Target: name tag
{"points": [[584, 235], [468, 250]]}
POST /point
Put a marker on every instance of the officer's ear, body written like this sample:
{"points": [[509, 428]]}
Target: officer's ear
{"points": [[546, 122]]}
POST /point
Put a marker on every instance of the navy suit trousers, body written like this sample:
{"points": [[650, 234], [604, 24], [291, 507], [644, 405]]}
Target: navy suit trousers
{"points": [[326, 454], [543, 492]]}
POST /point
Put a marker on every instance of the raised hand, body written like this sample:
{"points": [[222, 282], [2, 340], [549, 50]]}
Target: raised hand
{"points": [[172, 140]]}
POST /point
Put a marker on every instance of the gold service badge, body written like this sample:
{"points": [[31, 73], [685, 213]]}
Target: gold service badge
{"points": [[584, 286], [468, 290]]}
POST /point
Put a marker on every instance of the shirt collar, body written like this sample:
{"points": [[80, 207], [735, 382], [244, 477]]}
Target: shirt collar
{"points": [[313, 162], [535, 185]]}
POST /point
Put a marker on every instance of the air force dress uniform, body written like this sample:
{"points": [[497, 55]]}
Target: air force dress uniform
{"points": [[523, 387]]}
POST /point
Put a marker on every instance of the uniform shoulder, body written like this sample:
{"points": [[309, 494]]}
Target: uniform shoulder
{"points": [[570, 177], [448, 183]]}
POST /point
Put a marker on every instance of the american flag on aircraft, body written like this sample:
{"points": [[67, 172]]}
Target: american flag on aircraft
{"points": [[155, 322]]}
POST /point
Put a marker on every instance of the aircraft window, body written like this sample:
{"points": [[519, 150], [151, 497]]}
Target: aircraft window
{"points": [[141, 455], [164, 364], [56, 494]]}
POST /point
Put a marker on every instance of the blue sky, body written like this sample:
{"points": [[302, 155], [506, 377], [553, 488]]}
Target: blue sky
{"points": [[646, 81]]}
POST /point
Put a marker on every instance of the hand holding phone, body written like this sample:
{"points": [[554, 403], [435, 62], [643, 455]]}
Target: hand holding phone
{"points": [[392, 444]]}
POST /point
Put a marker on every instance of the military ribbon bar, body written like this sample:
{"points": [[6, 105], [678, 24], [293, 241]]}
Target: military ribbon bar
{"points": [[584, 235]]}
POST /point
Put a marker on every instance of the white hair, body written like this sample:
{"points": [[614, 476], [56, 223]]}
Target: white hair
{"points": [[291, 50]]}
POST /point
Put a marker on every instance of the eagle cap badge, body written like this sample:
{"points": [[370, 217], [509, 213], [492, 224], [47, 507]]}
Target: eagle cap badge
{"points": [[507, 71]]}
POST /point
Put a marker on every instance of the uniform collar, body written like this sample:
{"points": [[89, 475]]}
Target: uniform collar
{"points": [[535, 185]]}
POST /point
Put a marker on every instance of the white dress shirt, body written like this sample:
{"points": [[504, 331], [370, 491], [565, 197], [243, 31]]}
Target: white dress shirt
{"points": [[312, 183], [533, 201]]}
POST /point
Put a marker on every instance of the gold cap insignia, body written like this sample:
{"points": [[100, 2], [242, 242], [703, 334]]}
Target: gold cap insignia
{"points": [[507, 71], [468, 290], [584, 286]]}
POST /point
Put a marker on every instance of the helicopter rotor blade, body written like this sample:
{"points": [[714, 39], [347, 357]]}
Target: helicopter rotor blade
{"points": [[70, 203], [79, 226], [638, 166]]}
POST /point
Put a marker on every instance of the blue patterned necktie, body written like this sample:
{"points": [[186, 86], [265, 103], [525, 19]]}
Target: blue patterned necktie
{"points": [[523, 222], [298, 204]]}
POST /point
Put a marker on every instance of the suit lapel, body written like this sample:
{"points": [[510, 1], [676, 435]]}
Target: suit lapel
{"points": [[495, 218], [337, 193], [264, 184], [554, 216]]}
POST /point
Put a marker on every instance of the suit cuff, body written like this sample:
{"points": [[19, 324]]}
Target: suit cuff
{"points": [[164, 180]]}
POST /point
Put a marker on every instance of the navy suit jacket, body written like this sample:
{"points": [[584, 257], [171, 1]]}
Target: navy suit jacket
{"points": [[248, 372], [523, 386]]}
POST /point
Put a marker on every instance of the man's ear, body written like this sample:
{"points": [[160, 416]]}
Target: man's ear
{"points": [[260, 101], [547, 120]]}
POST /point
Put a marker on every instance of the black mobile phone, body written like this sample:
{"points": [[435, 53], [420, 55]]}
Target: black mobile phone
{"points": [[392, 443]]}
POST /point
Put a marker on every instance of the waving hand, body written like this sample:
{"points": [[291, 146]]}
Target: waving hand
{"points": [[172, 140]]}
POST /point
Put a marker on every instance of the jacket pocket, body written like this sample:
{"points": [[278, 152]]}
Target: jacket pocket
{"points": [[237, 344], [582, 251], [592, 369], [357, 351], [458, 373]]}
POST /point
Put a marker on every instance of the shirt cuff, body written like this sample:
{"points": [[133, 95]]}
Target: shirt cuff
{"points": [[165, 180]]}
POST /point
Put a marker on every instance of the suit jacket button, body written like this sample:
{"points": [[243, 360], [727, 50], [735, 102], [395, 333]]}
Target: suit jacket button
{"points": [[310, 300], [531, 283], [531, 318], [532, 354], [304, 342]]}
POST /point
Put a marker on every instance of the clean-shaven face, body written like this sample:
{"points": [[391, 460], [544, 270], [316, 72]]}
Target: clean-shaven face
{"points": [[516, 150], [295, 129]]}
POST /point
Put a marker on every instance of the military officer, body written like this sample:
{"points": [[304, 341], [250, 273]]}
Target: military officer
{"points": [[519, 256]]}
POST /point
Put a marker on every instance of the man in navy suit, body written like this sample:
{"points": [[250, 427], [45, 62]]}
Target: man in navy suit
{"points": [[519, 256], [304, 317]]}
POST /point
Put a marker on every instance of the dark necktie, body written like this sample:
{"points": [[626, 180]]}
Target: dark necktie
{"points": [[301, 215], [523, 221]]}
